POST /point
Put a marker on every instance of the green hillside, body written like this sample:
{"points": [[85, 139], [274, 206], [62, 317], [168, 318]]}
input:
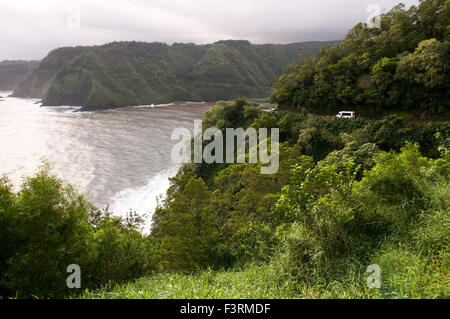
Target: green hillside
{"points": [[348, 194], [402, 65], [12, 72], [134, 73]]}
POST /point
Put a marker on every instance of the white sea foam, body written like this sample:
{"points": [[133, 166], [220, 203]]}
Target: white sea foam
{"points": [[144, 199], [67, 108], [153, 105], [169, 104]]}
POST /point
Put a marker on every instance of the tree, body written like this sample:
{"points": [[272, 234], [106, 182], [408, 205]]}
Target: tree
{"points": [[51, 223], [186, 228], [402, 64], [425, 74]]}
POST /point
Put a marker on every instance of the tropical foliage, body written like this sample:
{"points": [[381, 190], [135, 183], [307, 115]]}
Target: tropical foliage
{"points": [[347, 194], [47, 226]]}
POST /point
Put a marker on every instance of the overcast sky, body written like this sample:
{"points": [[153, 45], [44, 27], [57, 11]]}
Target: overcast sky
{"points": [[29, 29]]}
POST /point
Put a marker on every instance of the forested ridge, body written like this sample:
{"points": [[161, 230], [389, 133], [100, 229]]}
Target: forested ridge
{"points": [[402, 65], [139, 73]]}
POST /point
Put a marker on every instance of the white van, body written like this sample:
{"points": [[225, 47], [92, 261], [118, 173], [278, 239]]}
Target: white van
{"points": [[346, 115]]}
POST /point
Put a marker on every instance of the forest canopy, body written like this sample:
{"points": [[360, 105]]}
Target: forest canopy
{"points": [[402, 65]]}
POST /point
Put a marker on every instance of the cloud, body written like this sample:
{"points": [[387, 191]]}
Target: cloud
{"points": [[30, 28]]}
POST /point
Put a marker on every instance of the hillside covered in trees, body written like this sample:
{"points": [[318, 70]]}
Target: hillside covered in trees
{"points": [[13, 72], [348, 194], [136, 73], [402, 65]]}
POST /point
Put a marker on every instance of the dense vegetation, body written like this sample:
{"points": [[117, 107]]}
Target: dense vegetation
{"points": [[12, 72], [349, 193], [47, 226], [402, 65], [136, 73]]}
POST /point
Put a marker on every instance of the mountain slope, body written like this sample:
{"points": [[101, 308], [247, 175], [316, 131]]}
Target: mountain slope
{"points": [[402, 65], [134, 73], [12, 72]]}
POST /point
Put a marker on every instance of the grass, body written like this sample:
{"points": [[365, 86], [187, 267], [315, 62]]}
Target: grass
{"points": [[255, 282], [414, 264], [404, 275], [249, 284]]}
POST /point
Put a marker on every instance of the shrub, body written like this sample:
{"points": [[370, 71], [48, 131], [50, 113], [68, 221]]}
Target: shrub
{"points": [[48, 226], [51, 225]]}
